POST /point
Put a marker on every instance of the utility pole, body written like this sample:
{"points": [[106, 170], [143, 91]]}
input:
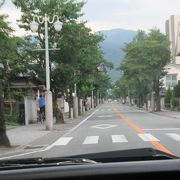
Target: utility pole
{"points": [[75, 102]]}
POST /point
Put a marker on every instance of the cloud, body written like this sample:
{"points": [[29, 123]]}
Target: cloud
{"points": [[131, 14], [13, 14], [109, 14]]}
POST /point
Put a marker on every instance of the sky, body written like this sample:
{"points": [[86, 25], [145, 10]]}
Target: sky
{"points": [[110, 14]]}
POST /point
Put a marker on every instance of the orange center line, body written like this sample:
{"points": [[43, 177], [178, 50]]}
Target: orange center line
{"points": [[156, 144]]}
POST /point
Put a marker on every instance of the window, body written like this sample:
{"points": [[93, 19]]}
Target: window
{"points": [[171, 80]]}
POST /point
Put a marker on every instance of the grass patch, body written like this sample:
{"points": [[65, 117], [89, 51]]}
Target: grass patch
{"points": [[11, 121]]}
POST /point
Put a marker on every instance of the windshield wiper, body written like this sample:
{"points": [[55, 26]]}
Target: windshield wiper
{"points": [[141, 154], [42, 162]]}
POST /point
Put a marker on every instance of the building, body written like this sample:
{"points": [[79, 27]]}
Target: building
{"points": [[30, 88], [173, 68], [27, 85]]}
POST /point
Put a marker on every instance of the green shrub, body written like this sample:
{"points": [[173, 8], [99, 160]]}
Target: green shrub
{"points": [[11, 119], [168, 97], [173, 102]]}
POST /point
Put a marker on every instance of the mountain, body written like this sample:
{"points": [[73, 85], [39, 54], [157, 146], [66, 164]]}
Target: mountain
{"points": [[115, 40]]}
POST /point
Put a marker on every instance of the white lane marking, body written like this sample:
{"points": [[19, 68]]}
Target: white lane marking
{"points": [[104, 126], [62, 141], [91, 140], [102, 109], [49, 147], [174, 136], [147, 137], [102, 116], [71, 130], [161, 129], [119, 138]]}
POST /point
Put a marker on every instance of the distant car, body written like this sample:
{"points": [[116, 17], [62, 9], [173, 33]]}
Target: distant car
{"points": [[109, 100]]}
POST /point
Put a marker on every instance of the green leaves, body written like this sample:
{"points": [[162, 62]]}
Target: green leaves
{"points": [[144, 62], [79, 54]]}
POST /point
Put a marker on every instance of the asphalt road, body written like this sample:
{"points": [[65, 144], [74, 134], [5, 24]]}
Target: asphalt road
{"points": [[114, 126]]}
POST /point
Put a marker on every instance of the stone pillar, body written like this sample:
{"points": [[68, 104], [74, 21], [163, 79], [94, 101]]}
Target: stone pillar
{"points": [[80, 107], [71, 113], [30, 110]]}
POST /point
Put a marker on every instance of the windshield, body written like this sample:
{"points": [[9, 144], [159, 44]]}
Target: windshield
{"points": [[85, 77]]}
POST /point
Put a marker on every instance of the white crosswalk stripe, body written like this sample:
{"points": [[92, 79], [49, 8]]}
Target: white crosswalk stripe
{"points": [[116, 138], [91, 140], [62, 141], [174, 136], [119, 139], [147, 137]]}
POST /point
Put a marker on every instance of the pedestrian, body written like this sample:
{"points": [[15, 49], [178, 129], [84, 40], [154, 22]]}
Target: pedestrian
{"points": [[41, 102]]}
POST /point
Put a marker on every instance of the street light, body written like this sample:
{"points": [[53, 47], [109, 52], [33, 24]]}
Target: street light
{"points": [[48, 94], [100, 68]]}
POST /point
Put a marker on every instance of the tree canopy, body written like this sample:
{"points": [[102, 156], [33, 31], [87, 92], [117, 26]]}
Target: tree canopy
{"points": [[143, 65], [79, 54]]}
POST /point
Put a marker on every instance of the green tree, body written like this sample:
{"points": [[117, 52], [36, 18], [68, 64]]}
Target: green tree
{"points": [[5, 39], [12, 63], [168, 97], [161, 57], [67, 11], [144, 62], [173, 101], [176, 90], [79, 54]]}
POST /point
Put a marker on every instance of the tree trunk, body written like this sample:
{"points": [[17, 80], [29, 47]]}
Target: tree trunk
{"points": [[70, 103], [59, 115], [84, 105], [57, 112], [79, 107], [146, 102], [4, 141], [11, 109], [139, 101], [130, 100], [157, 96], [157, 101]]}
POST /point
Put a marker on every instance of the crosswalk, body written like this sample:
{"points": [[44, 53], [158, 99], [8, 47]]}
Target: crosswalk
{"points": [[175, 136], [119, 138], [116, 138], [147, 137], [124, 109], [91, 140]]}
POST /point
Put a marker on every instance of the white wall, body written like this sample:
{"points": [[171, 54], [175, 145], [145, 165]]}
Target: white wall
{"points": [[172, 69], [177, 60], [62, 104], [30, 110], [172, 31]]}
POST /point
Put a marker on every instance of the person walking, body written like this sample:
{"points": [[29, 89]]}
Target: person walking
{"points": [[41, 102]]}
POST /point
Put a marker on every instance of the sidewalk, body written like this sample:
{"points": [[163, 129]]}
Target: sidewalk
{"points": [[24, 136], [21, 136], [163, 112], [169, 113]]}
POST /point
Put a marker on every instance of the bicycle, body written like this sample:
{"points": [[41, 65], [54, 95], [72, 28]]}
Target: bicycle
{"points": [[42, 115]]}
